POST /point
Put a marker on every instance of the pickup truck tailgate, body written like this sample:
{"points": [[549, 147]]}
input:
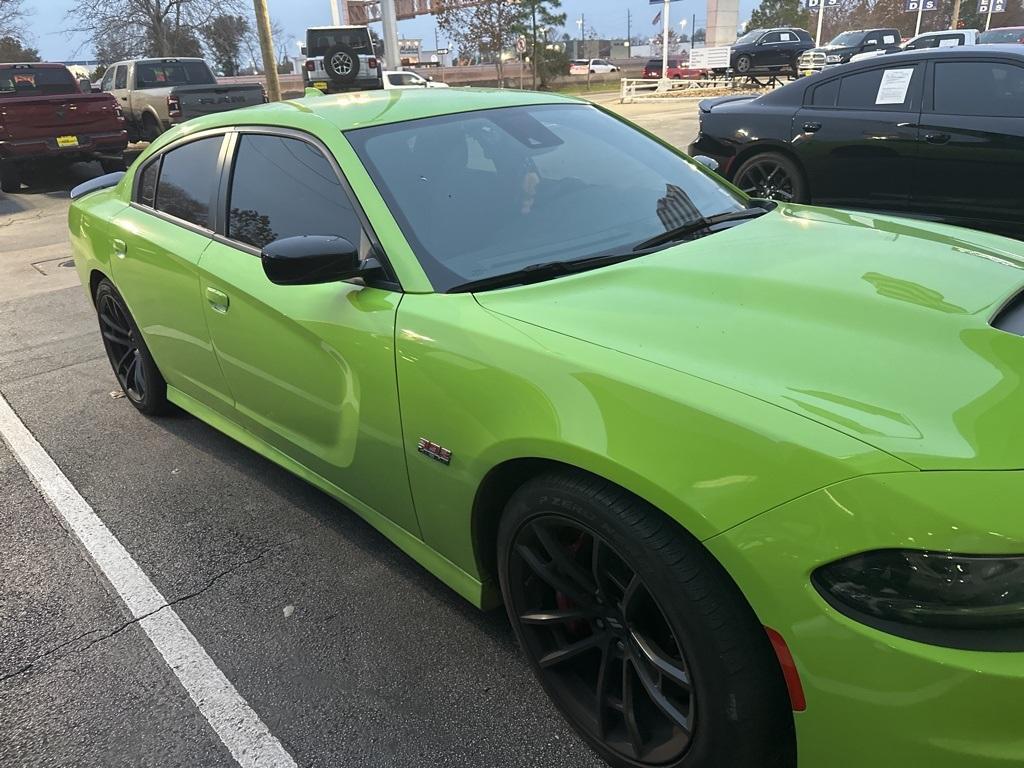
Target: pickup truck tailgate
{"points": [[198, 100], [44, 116]]}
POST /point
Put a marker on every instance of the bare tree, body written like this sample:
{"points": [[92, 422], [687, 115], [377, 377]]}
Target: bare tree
{"points": [[159, 27], [12, 18], [224, 36], [490, 25]]}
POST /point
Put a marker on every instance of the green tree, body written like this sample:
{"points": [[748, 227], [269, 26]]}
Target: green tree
{"points": [[224, 36], [12, 49], [538, 23], [780, 13]]}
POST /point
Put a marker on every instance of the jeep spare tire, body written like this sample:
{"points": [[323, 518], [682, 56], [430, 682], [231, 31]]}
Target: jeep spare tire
{"points": [[342, 64]]}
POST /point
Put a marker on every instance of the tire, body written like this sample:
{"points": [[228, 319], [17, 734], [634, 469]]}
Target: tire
{"points": [[342, 64], [113, 164], [133, 365], [150, 127], [743, 64], [773, 176], [10, 177], [643, 599]]}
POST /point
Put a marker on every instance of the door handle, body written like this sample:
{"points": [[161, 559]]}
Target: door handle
{"points": [[124, 98], [218, 299], [936, 138], [120, 248], [812, 127]]}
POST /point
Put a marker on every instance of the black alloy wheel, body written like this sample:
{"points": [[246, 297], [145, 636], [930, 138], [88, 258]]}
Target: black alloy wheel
{"points": [[129, 358], [601, 640], [342, 64], [637, 634], [771, 176], [743, 64]]}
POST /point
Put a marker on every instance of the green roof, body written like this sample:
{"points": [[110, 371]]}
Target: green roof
{"points": [[363, 108]]}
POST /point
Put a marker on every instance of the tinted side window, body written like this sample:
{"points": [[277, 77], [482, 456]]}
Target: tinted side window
{"points": [[188, 177], [876, 89], [305, 198], [825, 94], [121, 76], [771, 37], [147, 183], [985, 88]]}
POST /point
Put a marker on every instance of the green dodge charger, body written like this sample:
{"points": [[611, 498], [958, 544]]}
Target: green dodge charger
{"points": [[746, 476]]}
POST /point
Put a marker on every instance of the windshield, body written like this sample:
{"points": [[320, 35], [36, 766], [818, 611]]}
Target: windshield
{"points": [[320, 41], [487, 193], [31, 81], [164, 74], [847, 38], [1013, 35], [749, 37]]}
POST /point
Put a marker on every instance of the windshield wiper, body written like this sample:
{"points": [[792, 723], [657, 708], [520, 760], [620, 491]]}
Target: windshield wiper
{"points": [[705, 222], [542, 271]]}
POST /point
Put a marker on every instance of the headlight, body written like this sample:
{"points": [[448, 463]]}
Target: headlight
{"points": [[833, 59], [962, 601]]}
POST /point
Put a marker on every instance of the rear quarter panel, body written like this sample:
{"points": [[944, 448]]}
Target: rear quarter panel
{"points": [[91, 228]]}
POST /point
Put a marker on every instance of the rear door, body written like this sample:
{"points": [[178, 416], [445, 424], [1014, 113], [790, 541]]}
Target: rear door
{"points": [[856, 136], [311, 368], [163, 234], [972, 143]]}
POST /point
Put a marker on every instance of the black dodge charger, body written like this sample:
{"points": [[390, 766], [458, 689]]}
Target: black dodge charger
{"points": [[936, 133]]}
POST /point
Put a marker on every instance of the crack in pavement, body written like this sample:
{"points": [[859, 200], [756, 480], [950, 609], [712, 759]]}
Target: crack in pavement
{"points": [[120, 628]]}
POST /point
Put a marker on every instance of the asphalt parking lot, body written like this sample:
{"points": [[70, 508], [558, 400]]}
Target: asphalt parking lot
{"points": [[348, 651]]}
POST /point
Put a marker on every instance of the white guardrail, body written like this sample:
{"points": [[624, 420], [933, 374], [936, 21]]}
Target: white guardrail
{"points": [[642, 90]]}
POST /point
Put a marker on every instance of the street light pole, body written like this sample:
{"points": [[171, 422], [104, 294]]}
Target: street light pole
{"points": [[664, 41], [389, 17], [267, 49]]}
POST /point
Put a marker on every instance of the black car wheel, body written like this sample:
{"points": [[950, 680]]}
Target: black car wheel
{"points": [[743, 64], [771, 176], [129, 357], [342, 64], [641, 640], [10, 177]]}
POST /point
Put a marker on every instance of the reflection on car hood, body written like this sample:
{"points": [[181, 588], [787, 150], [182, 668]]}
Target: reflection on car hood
{"points": [[875, 326]]}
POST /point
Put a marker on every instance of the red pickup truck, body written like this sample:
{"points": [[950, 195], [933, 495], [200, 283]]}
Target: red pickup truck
{"points": [[45, 116]]}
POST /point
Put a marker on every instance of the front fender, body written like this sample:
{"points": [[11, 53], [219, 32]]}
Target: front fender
{"points": [[491, 389]]}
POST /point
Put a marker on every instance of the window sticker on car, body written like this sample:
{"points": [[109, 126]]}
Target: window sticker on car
{"points": [[949, 42], [894, 86], [889, 39]]}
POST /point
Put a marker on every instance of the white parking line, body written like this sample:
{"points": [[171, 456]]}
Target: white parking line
{"points": [[250, 741]]}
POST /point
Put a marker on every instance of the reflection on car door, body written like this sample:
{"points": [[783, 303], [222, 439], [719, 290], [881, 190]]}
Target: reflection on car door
{"points": [[163, 236], [972, 143], [856, 141], [311, 368]]}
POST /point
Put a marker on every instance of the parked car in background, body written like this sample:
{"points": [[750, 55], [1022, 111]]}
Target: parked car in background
{"points": [[946, 38], [408, 80], [769, 50], [158, 93], [677, 70], [867, 135], [341, 59], [46, 117], [592, 66], [846, 45], [1002, 35]]}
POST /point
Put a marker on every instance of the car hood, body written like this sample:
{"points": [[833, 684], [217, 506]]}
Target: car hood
{"points": [[840, 49], [875, 326]]}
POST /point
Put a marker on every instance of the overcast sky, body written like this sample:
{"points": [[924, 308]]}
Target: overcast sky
{"points": [[50, 21]]}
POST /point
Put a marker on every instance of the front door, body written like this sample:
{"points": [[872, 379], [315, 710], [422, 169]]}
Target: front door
{"points": [[857, 137], [162, 236], [311, 368], [972, 145]]}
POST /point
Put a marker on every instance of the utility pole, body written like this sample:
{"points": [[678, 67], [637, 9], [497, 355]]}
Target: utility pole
{"points": [[956, 15], [389, 17], [693, 30], [335, 13], [664, 40], [267, 49], [629, 28]]}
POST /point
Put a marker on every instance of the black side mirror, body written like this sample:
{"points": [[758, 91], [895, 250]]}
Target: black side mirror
{"points": [[313, 259]]}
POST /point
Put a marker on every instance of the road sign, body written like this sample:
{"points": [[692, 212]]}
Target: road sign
{"points": [[998, 6], [521, 44], [913, 6], [441, 51]]}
